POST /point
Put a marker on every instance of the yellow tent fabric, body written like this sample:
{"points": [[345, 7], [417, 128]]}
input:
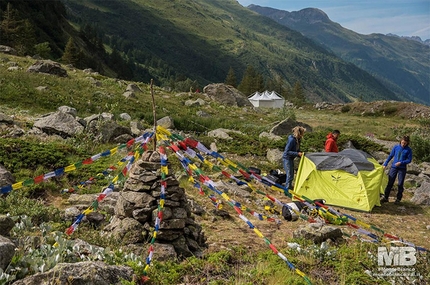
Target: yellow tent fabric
{"points": [[350, 179]]}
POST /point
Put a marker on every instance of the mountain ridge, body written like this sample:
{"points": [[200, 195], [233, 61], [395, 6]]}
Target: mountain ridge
{"points": [[206, 38], [400, 63]]}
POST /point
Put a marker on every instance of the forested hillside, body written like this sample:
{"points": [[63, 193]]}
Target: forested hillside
{"points": [[188, 44]]}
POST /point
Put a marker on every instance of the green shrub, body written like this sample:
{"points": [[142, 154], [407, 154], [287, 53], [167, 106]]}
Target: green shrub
{"points": [[420, 140], [345, 109], [17, 204], [420, 148], [389, 110], [16, 154]]}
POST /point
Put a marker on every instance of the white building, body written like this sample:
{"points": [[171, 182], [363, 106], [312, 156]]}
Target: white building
{"points": [[267, 100]]}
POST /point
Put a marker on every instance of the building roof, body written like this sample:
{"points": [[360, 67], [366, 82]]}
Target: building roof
{"points": [[265, 96]]}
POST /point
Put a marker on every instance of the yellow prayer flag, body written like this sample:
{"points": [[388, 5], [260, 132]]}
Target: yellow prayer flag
{"points": [[113, 151], [165, 169], [363, 224], [161, 130], [258, 232], [87, 211], [300, 273], [276, 188], [70, 168], [17, 186], [231, 162]]}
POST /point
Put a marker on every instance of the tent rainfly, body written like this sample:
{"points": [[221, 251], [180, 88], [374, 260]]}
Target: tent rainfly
{"points": [[267, 100], [351, 179]]}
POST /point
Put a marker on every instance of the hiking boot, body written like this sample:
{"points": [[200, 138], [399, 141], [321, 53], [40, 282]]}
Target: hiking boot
{"points": [[397, 202], [383, 200]]}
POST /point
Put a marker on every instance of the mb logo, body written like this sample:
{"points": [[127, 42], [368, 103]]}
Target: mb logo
{"points": [[396, 256]]}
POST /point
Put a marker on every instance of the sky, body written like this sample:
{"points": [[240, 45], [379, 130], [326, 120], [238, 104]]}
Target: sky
{"points": [[400, 17]]}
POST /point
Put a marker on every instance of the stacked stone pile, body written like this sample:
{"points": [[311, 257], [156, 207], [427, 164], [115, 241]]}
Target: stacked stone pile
{"points": [[137, 208]]}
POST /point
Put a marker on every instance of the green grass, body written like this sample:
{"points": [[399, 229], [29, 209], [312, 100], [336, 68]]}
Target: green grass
{"points": [[232, 264]]}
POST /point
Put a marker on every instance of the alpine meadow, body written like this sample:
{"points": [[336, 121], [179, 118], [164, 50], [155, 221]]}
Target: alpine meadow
{"points": [[130, 152]]}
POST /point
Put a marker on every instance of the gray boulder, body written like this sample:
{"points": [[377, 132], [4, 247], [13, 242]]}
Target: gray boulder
{"points": [[422, 194], [7, 251], [49, 67], [110, 130], [285, 127], [5, 119], [6, 177], [7, 50], [133, 88], [166, 122], [270, 136], [81, 273], [226, 95], [274, 156], [318, 233], [68, 110], [129, 94], [222, 133], [126, 230], [6, 224], [59, 123]]}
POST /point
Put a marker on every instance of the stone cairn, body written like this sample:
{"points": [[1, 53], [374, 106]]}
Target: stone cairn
{"points": [[137, 208]]}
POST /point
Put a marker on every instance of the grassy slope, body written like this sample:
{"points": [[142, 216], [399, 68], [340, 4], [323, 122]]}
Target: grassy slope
{"points": [[18, 94]]}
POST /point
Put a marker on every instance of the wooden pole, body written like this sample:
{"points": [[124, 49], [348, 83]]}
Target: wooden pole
{"points": [[154, 115]]}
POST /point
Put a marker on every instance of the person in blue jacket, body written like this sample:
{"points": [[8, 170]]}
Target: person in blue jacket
{"points": [[291, 151], [402, 155]]}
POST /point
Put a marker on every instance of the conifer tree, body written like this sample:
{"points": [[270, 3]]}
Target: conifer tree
{"points": [[298, 94], [71, 53], [259, 82], [16, 32], [247, 85], [25, 38], [9, 26], [231, 78], [43, 49]]}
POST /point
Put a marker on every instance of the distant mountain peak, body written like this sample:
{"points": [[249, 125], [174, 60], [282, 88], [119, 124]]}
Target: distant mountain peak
{"points": [[412, 38], [306, 15], [312, 15]]}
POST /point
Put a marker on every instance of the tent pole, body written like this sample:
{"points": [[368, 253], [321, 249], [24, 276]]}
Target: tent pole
{"points": [[154, 115]]}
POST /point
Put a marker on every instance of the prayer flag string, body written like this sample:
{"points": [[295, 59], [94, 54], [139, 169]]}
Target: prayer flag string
{"points": [[211, 185], [131, 158], [158, 219], [328, 213], [60, 171]]}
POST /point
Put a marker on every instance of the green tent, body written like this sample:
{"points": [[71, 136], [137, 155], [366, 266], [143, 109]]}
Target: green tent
{"points": [[350, 179]]}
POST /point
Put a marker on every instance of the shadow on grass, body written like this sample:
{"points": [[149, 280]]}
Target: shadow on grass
{"points": [[405, 208]]}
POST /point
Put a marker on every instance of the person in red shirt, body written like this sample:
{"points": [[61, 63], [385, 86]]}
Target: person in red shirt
{"points": [[331, 142]]}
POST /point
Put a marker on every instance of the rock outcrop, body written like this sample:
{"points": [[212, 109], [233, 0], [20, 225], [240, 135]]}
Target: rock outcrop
{"points": [[81, 273], [226, 95], [48, 67]]}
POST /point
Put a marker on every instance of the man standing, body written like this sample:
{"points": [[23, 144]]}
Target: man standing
{"points": [[402, 155], [291, 151], [331, 142]]}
